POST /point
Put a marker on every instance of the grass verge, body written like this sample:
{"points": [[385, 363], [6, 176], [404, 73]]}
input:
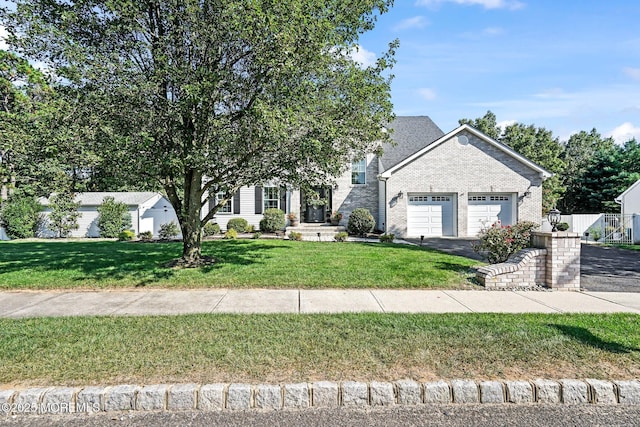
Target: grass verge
{"points": [[292, 348], [240, 264]]}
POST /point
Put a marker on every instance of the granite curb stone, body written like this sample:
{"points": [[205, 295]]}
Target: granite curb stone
{"points": [[355, 394], [491, 392], [211, 397], [382, 394], [409, 392], [296, 395], [321, 394]]}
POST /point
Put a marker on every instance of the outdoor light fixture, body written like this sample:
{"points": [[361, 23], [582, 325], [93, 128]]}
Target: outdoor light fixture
{"points": [[421, 240], [527, 194], [319, 237], [400, 194], [554, 218]]}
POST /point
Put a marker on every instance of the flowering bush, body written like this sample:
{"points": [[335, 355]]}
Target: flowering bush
{"points": [[498, 242]]}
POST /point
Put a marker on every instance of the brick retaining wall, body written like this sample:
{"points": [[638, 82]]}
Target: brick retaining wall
{"points": [[525, 269]]}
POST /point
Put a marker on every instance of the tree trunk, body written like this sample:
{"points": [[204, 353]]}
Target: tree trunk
{"points": [[190, 222]]}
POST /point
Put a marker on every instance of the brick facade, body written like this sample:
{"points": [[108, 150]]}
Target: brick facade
{"points": [[527, 268], [456, 169]]}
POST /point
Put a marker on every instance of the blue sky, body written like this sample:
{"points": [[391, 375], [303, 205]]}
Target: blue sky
{"points": [[566, 65]]}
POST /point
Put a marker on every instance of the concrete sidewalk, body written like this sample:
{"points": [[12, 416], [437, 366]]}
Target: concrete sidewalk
{"points": [[173, 302]]}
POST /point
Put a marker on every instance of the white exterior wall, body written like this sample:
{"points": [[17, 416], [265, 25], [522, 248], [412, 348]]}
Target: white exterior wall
{"points": [[247, 210], [631, 201]]}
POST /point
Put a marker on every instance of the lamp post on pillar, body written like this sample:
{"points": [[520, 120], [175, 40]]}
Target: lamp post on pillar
{"points": [[554, 218]]}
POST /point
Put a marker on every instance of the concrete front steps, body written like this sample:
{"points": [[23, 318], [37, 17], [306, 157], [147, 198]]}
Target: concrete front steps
{"points": [[317, 232]]}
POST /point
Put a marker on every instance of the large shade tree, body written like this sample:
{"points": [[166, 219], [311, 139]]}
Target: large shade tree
{"points": [[205, 96]]}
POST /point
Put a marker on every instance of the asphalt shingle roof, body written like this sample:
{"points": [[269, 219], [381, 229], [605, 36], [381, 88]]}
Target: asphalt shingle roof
{"points": [[411, 134]]}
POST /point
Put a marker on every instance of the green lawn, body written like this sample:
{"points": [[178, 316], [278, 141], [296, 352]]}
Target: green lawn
{"points": [[630, 247], [292, 348], [266, 263]]}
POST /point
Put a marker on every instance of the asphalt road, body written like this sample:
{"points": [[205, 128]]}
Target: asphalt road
{"points": [[437, 415]]}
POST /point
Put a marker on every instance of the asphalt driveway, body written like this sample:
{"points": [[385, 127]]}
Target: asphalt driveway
{"points": [[602, 268], [609, 269]]}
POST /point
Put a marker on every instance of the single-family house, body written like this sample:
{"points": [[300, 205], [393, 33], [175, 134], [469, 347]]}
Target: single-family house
{"points": [[630, 200], [428, 184], [149, 210]]}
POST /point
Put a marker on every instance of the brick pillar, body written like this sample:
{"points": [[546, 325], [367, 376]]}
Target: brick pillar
{"points": [[563, 258]]}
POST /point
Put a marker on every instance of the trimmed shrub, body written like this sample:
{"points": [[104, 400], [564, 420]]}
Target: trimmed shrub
{"points": [[145, 236], [294, 235], [341, 236], [211, 229], [126, 235], [256, 235], [273, 220], [20, 216], [387, 238], [231, 234], [113, 217], [563, 226], [169, 231], [361, 222], [238, 224], [498, 242]]}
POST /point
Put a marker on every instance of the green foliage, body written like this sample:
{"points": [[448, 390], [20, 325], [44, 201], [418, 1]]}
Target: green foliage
{"points": [[563, 226], [256, 235], [126, 235], [113, 217], [272, 221], [486, 124], [361, 222], [169, 231], [539, 146], [146, 236], [64, 214], [238, 224], [231, 234], [220, 94], [387, 238], [295, 235], [595, 233], [498, 242], [211, 229], [341, 236], [21, 217]]}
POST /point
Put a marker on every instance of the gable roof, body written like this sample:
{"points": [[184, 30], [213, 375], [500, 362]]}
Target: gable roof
{"points": [[129, 198], [627, 191], [542, 171], [411, 134]]}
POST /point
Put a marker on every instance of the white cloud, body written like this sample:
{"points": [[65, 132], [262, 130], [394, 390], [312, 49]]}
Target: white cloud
{"points": [[410, 23], [493, 31], [625, 132], [426, 93], [362, 56], [634, 73], [503, 124], [487, 4], [3, 36]]}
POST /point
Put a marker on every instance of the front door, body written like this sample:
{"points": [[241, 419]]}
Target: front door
{"points": [[316, 208]]}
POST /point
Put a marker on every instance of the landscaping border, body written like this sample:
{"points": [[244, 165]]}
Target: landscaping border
{"points": [[321, 394]]}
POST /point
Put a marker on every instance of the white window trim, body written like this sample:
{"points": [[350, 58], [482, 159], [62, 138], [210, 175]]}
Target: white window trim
{"points": [[364, 171], [221, 211], [264, 198]]}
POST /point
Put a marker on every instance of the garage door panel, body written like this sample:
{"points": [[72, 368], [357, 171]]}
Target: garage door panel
{"points": [[486, 209], [429, 215]]}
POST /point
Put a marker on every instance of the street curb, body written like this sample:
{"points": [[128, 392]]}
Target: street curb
{"points": [[321, 394]]}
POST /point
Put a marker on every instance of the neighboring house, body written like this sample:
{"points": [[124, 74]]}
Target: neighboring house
{"points": [[148, 211], [428, 184], [630, 200]]}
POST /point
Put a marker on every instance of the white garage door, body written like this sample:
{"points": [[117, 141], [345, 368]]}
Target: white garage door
{"points": [[430, 215], [486, 209]]}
